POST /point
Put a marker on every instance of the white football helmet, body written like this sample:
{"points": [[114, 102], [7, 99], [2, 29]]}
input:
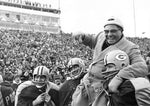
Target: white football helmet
{"points": [[117, 57], [40, 71], [76, 66]]}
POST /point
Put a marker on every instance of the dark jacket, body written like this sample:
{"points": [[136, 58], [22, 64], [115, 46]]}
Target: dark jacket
{"points": [[67, 89], [30, 92], [8, 95]]}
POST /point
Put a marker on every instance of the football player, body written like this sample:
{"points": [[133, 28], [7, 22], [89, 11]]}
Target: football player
{"points": [[39, 91], [76, 70], [120, 91]]}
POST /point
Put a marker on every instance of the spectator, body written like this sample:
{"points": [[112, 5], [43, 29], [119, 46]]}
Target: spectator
{"points": [[7, 95], [57, 80], [110, 39], [7, 79], [148, 59], [16, 82]]}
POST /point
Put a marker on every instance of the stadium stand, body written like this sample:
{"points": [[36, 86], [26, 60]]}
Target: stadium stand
{"points": [[24, 15]]}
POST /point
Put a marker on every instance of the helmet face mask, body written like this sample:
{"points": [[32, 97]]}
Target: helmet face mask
{"points": [[111, 67], [40, 80], [40, 76], [75, 67], [75, 71]]}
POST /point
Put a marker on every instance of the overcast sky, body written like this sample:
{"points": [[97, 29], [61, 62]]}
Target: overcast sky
{"points": [[88, 16]]}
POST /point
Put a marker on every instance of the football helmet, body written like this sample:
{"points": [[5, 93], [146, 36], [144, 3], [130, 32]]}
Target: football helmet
{"points": [[40, 76], [117, 57], [75, 67]]}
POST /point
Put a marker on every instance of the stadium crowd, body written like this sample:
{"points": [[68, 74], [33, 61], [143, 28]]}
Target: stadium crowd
{"points": [[22, 51]]}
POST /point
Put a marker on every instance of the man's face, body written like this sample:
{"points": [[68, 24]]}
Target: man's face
{"points": [[75, 71], [113, 33], [58, 81], [40, 80], [17, 80]]}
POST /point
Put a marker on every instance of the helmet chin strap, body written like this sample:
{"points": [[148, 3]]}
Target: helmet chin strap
{"points": [[39, 86]]}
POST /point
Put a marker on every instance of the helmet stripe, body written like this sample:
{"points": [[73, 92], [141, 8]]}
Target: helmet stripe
{"points": [[38, 70], [41, 71]]}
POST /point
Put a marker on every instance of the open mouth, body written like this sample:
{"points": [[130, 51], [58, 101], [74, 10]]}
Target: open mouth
{"points": [[111, 40], [75, 72]]}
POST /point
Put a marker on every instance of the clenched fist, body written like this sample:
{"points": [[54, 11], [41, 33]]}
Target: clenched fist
{"points": [[78, 36]]}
